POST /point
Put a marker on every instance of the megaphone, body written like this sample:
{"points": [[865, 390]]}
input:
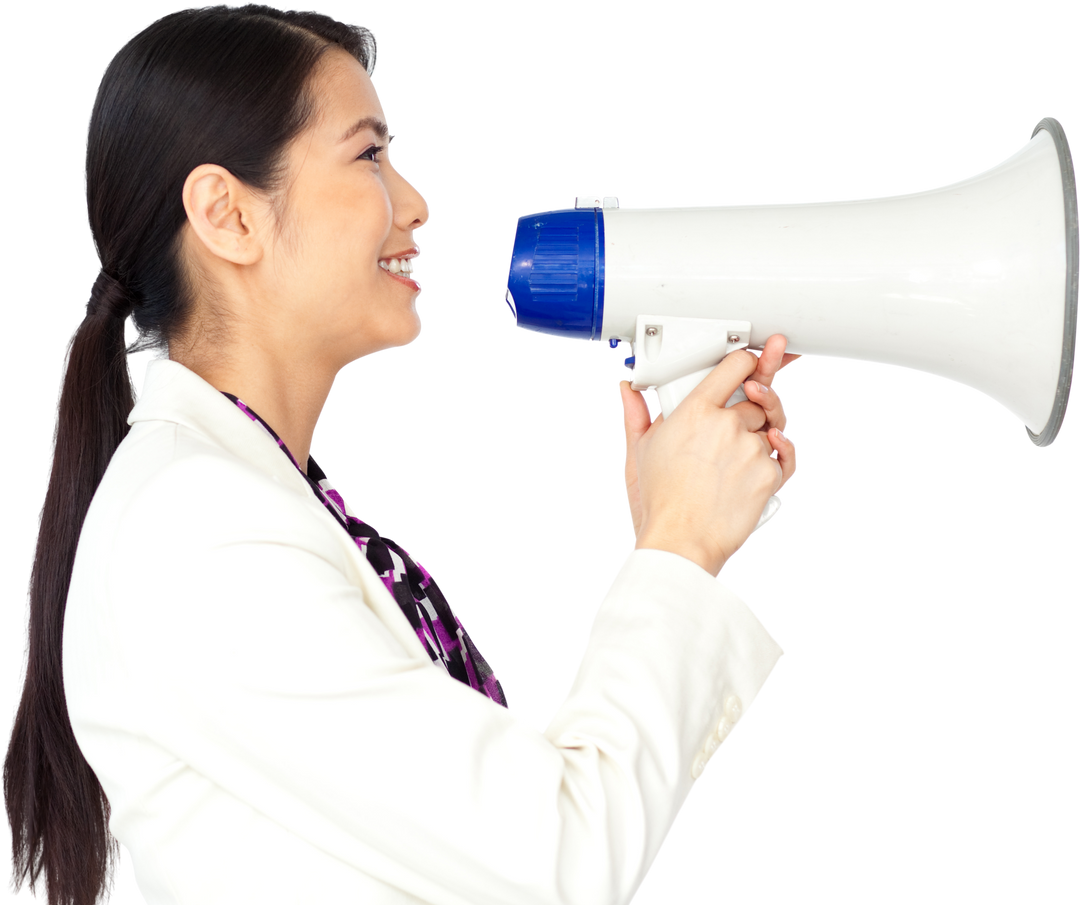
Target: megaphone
{"points": [[976, 282]]}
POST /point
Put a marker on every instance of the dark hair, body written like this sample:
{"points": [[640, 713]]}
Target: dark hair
{"points": [[218, 85]]}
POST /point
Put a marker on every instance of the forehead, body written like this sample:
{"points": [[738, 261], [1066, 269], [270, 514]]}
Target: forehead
{"points": [[343, 93]]}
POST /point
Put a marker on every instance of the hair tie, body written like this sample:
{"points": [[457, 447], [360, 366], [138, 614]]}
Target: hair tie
{"points": [[111, 292]]}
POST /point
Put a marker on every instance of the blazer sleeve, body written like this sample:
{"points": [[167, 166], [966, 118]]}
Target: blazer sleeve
{"points": [[259, 664]]}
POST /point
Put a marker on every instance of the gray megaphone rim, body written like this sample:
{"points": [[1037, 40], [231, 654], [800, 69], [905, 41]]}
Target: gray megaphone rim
{"points": [[1070, 191]]}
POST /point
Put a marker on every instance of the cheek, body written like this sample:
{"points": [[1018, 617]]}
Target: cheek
{"points": [[345, 223], [364, 218]]}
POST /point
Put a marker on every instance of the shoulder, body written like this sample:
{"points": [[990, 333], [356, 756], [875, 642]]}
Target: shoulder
{"points": [[178, 490]]}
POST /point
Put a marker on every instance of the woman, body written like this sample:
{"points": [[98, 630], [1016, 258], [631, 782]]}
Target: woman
{"points": [[260, 696]]}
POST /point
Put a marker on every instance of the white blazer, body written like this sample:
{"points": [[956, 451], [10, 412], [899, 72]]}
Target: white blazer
{"points": [[268, 729]]}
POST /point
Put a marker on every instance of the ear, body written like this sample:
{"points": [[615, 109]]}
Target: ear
{"points": [[224, 214]]}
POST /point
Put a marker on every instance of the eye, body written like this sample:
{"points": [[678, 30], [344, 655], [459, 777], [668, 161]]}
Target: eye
{"points": [[372, 153]]}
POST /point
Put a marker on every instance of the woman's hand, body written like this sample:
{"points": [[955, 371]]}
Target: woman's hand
{"points": [[637, 416]]}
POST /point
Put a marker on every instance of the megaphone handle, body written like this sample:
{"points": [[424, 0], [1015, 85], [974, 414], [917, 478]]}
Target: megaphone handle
{"points": [[671, 394]]}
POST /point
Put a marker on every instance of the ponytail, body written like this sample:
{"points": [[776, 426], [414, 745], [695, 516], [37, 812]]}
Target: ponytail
{"points": [[220, 85]]}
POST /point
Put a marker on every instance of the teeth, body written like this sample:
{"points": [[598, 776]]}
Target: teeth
{"points": [[396, 265]]}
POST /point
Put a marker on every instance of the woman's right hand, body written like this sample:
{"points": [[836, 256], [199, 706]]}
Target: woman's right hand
{"points": [[698, 481]]}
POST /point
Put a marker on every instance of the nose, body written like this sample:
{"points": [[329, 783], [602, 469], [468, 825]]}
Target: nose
{"points": [[410, 208]]}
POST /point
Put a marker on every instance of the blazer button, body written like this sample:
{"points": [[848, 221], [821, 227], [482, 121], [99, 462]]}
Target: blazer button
{"points": [[732, 708], [699, 765]]}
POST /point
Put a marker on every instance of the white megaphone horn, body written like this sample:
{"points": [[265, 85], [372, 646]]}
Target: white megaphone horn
{"points": [[976, 282]]}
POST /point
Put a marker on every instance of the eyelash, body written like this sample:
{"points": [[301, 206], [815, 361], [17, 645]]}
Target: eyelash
{"points": [[379, 148]]}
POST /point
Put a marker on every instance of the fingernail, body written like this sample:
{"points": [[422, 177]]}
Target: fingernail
{"points": [[779, 434]]}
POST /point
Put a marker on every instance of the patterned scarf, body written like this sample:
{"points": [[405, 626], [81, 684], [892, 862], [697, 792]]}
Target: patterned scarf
{"points": [[412, 587]]}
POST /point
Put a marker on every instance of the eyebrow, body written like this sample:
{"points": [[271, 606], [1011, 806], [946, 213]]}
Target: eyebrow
{"points": [[367, 122]]}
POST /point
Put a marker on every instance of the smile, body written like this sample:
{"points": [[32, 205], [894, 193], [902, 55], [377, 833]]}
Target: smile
{"points": [[397, 265], [403, 277]]}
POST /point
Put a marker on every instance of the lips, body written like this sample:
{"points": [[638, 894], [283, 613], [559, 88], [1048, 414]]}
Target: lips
{"points": [[409, 279], [412, 253], [400, 266]]}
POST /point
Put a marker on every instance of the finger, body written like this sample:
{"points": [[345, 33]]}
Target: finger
{"points": [[636, 412], [636, 420], [775, 413], [785, 454], [723, 380], [771, 359], [768, 362]]}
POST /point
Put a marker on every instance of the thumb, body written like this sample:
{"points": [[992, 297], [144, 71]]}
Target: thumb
{"points": [[635, 413]]}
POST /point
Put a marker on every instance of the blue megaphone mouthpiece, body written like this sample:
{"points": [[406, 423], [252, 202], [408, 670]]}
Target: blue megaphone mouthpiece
{"points": [[556, 282]]}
